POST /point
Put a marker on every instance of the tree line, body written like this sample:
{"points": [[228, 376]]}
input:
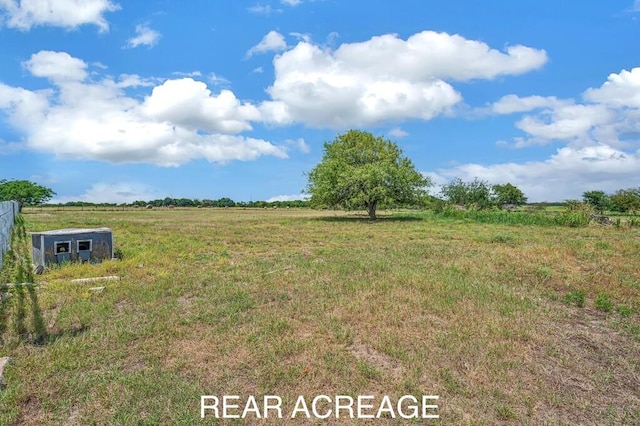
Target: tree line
{"points": [[360, 171], [188, 202]]}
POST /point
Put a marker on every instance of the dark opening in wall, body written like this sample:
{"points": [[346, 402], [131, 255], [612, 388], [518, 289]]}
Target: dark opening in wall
{"points": [[62, 247], [84, 245]]}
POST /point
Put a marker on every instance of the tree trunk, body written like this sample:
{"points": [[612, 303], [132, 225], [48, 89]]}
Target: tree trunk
{"points": [[371, 209]]}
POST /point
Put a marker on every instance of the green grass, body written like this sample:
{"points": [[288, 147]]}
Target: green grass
{"points": [[299, 302]]}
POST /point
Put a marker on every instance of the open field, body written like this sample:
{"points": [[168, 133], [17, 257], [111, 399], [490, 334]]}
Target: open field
{"points": [[299, 302]]}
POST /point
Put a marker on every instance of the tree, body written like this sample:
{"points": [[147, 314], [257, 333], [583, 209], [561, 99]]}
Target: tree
{"points": [[598, 199], [477, 193], [26, 193], [508, 194], [625, 200], [361, 171]]}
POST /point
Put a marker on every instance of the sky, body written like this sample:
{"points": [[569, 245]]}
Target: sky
{"points": [[122, 100]]}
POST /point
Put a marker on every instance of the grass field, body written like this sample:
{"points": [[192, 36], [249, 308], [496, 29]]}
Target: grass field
{"points": [[505, 323]]}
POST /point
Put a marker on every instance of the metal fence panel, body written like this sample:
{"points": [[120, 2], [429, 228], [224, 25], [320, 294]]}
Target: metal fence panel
{"points": [[8, 213]]}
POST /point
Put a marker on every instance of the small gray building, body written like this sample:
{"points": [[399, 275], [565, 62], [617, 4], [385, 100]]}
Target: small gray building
{"points": [[72, 245]]}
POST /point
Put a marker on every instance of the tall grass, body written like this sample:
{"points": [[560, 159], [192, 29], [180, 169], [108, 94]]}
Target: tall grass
{"points": [[568, 218]]}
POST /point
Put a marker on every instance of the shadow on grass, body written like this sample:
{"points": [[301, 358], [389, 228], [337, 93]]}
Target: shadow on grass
{"points": [[73, 332], [366, 219]]}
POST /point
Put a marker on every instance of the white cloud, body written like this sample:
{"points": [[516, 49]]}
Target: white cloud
{"points": [[56, 66], [398, 133], [291, 2], [188, 74], [299, 144], [272, 42], [178, 121], [25, 14], [384, 78], [190, 104], [565, 175], [301, 36], [608, 115], [121, 192], [145, 36], [258, 70], [261, 9], [572, 123], [636, 6], [601, 136], [217, 80], [292, 197], [621, 90], [512, 104]]}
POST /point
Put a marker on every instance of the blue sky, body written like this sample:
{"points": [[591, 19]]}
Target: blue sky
{"points": [[116, 101]]}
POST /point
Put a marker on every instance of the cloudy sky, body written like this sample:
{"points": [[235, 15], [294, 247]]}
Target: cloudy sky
{"points": [[116, 101]]}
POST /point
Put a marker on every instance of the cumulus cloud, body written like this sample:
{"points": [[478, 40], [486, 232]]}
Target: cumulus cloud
{"points": [[621, 90], [605, 115], [565, 175], [70, 14], [145, 36], [58, 67], [178, 121], [384, 78], [121, 192], [272, 42], [600, 132]]}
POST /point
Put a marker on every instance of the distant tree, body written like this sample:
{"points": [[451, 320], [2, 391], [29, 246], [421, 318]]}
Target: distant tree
{"points": [[361, 171], [508, 194], [626, 200], [599, 200], [225, 202], [25, 192], [469, 194]]}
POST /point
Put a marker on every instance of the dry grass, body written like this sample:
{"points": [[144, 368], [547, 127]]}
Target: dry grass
{"points": [[297, 302]]}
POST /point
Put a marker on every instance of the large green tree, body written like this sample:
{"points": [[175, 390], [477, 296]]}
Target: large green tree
{"points": [[25, 192], [361, 171], [508, 194]]}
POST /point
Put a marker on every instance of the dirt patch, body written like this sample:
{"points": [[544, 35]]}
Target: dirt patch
{"points": [[377, 359]]}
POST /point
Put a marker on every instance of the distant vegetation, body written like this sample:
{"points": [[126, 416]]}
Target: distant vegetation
{"points": [[188, 202]]}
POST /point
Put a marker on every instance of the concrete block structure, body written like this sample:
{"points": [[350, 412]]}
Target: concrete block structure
{"points": [[72, 245]]}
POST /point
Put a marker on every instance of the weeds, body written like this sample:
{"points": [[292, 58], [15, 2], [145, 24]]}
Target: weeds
{"points": [[603, 302], [19, 295], [575, 298]]}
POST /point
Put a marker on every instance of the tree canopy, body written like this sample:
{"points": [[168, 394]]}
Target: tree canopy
{"points": [[476, 193], [508, 194], [361, 171], [598, 199], [25, 192]]}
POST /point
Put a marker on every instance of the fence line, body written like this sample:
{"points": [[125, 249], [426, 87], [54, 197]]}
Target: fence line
{"points": [[8, 213]]}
